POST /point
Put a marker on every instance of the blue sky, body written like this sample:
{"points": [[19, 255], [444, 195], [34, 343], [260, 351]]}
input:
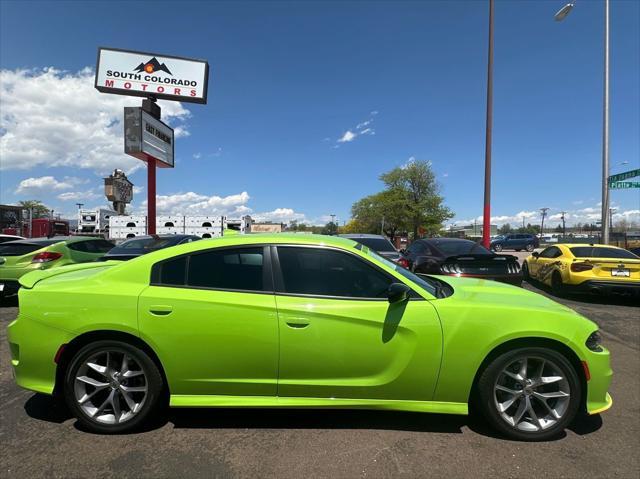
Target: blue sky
{"points": [[288, 80]]}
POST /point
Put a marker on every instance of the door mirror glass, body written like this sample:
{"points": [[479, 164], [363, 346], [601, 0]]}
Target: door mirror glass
{"points": [[398, 292]]}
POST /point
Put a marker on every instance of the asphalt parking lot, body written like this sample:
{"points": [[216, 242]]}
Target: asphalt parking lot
{"points": [[40, 439]]}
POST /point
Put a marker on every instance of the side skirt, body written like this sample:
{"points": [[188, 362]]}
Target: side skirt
{"points": [[319, 403]]}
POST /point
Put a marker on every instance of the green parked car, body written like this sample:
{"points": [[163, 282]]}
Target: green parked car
{"points": [[23, 256], [301, 321]]}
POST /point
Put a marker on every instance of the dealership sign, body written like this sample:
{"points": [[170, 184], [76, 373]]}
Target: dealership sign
{"points": [[147, 138], [126, 72]]}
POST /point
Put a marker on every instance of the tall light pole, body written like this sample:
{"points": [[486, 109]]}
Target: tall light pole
{"points": [[544, 213], [559, 16], [486, 218]]}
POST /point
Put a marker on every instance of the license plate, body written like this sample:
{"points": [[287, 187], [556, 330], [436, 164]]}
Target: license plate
{"points": [[620, 272], [1, 287]]}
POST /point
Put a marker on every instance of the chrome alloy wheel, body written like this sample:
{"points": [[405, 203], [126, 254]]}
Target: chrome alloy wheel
{"points": [[531, 394], [110, 387]]}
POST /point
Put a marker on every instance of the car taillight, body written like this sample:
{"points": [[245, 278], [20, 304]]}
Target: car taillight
{"points": [[451, 268], [513, 268], [579, 267], [403, 262], [46, 257]]}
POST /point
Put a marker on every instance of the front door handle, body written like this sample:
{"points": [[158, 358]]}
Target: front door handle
{"points": [[160, 309], [296, 322]]}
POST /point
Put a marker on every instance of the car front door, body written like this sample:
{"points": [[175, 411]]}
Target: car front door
{"points": [[211, 318], [339, 335], [541, 266]]}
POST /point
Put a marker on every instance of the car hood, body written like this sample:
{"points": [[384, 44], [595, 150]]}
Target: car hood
{"points": [[494, 293]]}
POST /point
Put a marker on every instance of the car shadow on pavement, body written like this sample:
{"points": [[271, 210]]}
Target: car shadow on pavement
{"points": [[612, 300], [49, 409]]}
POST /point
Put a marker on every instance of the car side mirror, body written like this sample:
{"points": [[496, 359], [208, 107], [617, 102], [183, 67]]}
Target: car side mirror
{"points": [[398, 292], [403, 251], [535, 255]]}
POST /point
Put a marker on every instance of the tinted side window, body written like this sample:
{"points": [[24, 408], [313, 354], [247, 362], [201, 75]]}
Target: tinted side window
{"points": [[172, 272], [240, 269], [551, 252], [327, 272]]}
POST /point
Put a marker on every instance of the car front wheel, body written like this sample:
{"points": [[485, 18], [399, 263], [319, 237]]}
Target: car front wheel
{"points": [[529, 248], [497, 247], [112, 386], [530, 394], [525, 271]]}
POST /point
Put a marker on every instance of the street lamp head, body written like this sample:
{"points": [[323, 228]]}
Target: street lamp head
{"points": [[563, 12]]}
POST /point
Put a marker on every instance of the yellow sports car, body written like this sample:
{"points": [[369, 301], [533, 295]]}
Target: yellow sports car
{"points": [[588, 268]]}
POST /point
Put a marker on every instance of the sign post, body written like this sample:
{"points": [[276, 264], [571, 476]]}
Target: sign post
{"points": [[151, 76]]}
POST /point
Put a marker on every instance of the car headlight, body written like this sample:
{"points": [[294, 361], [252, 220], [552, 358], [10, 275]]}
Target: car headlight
{"points": [[593, 342]]}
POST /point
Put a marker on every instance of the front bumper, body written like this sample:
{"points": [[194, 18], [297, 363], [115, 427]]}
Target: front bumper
{"points": [[598, 399], [606, 287]]}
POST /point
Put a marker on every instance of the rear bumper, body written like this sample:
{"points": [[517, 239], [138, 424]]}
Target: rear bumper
{"points": [[623, 288]]}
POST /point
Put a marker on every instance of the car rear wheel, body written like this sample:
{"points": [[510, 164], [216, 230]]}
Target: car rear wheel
{"points": [[497, 247], [557, 286], [530, 248], [112, 386], [530, 394], [525, 271]]}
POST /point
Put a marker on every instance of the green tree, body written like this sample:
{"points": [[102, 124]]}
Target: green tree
{"points": [[330, 228], [409, 202], [504, 229], [39, 209]]}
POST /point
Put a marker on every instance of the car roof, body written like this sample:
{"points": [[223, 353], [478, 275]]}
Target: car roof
{"points": [[162, 236], [53, 239]]}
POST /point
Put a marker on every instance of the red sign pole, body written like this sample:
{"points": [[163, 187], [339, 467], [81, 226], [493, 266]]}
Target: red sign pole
{"points": [[151, 196]]}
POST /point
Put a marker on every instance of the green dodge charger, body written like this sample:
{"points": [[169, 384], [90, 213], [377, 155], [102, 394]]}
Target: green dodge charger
{"points": [[301, 322]]}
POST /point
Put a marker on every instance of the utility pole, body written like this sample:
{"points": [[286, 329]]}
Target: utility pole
{"points": [[79, 205], [605, 220], [544, 213], [486, 218], [611, 212], [564, 230], [382, 226]]}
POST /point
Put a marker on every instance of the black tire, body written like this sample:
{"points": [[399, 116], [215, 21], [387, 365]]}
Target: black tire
{"points": [[151, 376], [530, 247], [488, 403], [557, 286], [497, 247], [525, 271]]}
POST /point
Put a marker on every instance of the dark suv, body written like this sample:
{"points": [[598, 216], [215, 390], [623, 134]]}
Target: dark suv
{"points": [[516, 241]]}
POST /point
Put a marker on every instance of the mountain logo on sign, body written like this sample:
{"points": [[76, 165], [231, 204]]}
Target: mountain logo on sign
{"points": [[152, 66]]}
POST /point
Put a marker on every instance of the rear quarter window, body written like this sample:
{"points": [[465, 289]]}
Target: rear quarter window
{"points": [[601, 252]]}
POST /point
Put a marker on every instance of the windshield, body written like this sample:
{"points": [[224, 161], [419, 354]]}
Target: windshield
{"points": [[376, 244], [455, 248], [601, 252], [430, 286]]}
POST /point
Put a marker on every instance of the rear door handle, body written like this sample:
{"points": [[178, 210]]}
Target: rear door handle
{"points": [[160, 309]]}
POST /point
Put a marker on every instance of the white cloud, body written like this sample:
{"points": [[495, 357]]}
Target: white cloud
{"points": [[582, 215], [361, 129], [279, 215], [78, 195], [197, 156], [50, 117], [347, 137], [44, 184]]}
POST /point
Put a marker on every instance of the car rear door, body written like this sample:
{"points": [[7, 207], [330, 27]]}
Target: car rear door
{"points": [[340, 337], [211, 318]]}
